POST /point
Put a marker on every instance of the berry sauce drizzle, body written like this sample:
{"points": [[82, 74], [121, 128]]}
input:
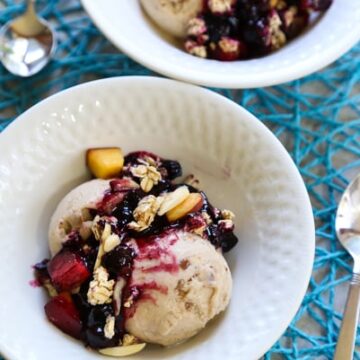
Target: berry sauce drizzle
{"points": [[245, 29], [68, 274]]}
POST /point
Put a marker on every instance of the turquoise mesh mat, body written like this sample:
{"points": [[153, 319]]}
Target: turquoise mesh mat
{"points": [[316, 118]]}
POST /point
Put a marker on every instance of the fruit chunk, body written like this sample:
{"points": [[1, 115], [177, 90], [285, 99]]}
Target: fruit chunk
{"points": [[123, 350], [61, 311], [105, 163], [191, 204], [67, 270], [173, 199]]}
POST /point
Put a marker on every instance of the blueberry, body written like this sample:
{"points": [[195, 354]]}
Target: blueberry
{"points": [[173, 169], [213, 236], [161, 186], [119, 261], [94, 331], [124, 211], [227, 241]]}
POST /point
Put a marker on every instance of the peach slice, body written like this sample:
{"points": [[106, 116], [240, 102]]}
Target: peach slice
{"points": [[191, 204], [105, 163]]}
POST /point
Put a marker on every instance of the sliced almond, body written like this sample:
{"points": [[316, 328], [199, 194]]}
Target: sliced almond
{"points": [[111, 242], [117, 296], [173, 199], [106, 232], [123, 350], [192, 203], [99, 256]]}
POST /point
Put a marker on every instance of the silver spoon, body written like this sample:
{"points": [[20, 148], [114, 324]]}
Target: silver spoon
{"points": [[348, 231], [26, 43]]}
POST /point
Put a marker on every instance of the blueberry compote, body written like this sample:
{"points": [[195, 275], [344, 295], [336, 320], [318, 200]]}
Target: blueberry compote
{"points": [[241, 29], [89, 282]]}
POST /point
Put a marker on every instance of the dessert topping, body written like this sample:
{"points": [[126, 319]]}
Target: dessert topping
{"points": [[109, 329], [192, 181], [147, 172], [117, 295], [62, 312], [226, 225], [129, 339], [105, 163], [277, 37], [194, 49], [145, 212], [67, 270], [100, 288], [173, 199], [123, 350], [196, 27], [206, 217], [111, 242], [192, 203], [101, 229], [220, 6], [278, 4], [227, 215]]}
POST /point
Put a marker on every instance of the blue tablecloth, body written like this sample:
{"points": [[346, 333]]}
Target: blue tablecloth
{"points": [[316, 118]]}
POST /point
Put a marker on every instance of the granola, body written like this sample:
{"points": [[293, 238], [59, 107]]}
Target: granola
{"points": [[145, 212], [100, 288], [147, 172], [109, 329]]}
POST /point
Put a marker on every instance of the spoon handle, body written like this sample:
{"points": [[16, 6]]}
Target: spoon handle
{"points": [[346, 342], [30, 6]]}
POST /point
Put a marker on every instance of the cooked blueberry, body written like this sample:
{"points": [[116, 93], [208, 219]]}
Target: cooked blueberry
{"points": [[161, 186], [227, 241], [119, 261], [173, 169], [213, 236], [318, 5], [94, 332]]}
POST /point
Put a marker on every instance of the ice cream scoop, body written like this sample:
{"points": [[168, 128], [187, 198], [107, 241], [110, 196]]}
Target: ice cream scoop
{"points": [[133, 264], [181, 282], [172, 15], [72, 212]]}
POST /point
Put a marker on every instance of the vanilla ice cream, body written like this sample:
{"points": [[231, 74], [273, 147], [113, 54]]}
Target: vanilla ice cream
{"points": [[72, 212], [184, 283], [172, 15]]}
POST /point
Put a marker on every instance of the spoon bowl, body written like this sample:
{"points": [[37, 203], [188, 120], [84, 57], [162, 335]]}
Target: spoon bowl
{"points": [[348, 220], [26, 43]]}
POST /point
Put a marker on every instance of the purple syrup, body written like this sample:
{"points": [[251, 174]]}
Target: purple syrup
{"points": [[120, 202], [119, 261], [41, 273], [141, 292], [35, 283]]}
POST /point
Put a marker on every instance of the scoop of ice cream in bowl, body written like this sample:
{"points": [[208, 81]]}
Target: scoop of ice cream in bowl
{"points": [[229, 30], [230, 43], [137, 257]]}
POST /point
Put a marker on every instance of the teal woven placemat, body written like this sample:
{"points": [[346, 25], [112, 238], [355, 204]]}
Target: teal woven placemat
{"points": [[316, 118]]}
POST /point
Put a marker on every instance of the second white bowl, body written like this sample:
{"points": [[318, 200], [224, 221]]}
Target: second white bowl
{"points": [[125, 24]]}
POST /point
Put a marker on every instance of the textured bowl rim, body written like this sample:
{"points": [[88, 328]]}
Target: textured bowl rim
{"points": [[308, 65], [308, 226]]}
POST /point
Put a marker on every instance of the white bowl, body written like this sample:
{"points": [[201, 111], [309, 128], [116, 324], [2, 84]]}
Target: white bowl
{"points": [[241, 165], [125, 24]]}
